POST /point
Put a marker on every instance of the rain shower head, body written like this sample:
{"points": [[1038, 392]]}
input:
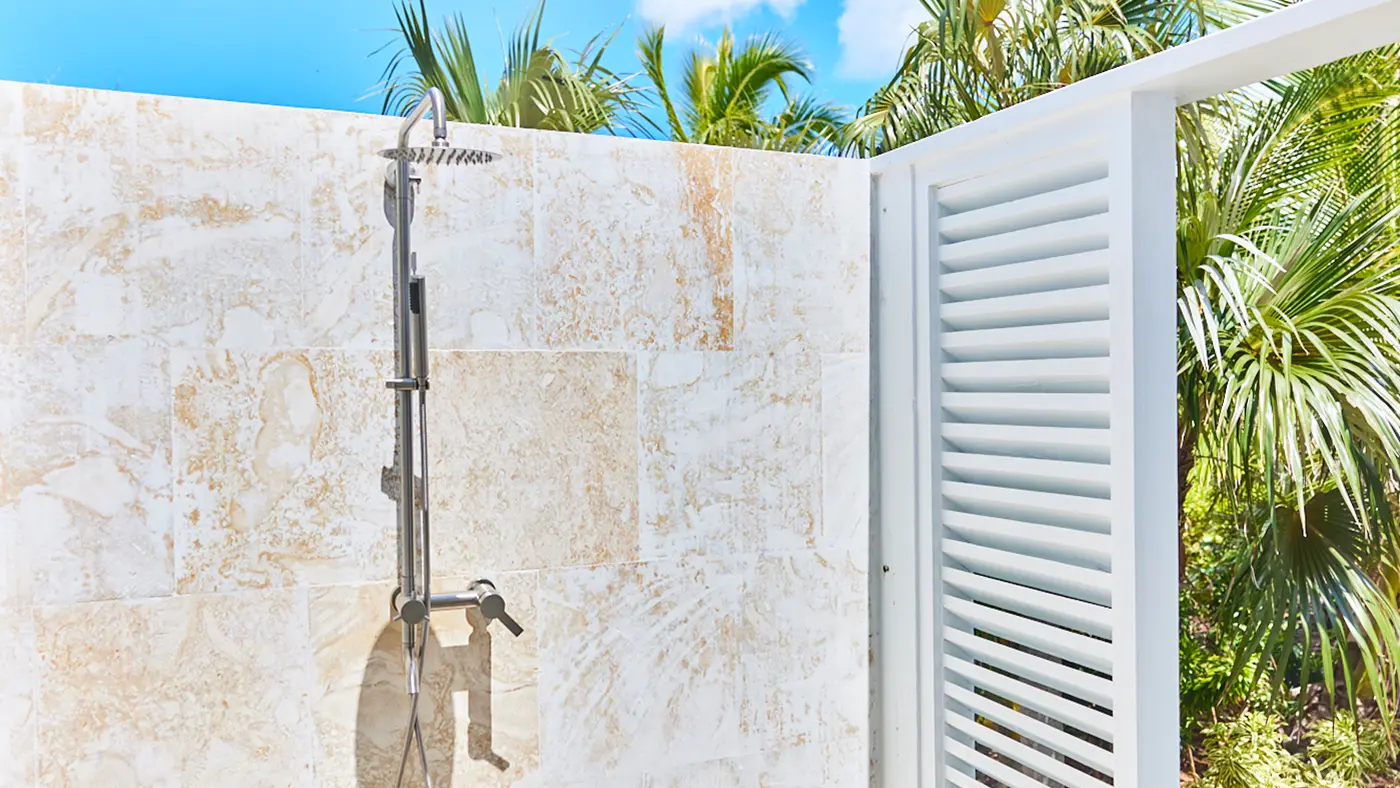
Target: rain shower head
{"points": [[439, 155]]}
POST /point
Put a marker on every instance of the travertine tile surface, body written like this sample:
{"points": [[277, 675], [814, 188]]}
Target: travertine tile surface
{"points": [[634, 246], [534, 459], [346, 239], [17, 678], [648, 425], [277, 463], [85, 509], [475, 240], [210, 690], [805, 676], [84, 187], [619, 694], [802, 253], [11, 214], [219, 241], [846, 452], [731, 452]]}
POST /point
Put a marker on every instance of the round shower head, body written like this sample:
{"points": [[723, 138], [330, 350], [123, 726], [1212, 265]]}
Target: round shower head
{"points": [[466, 156]]}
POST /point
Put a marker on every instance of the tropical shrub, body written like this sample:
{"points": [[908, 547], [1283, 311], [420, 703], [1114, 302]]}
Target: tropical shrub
{"points": [[1248, 752], [1353, 750]]}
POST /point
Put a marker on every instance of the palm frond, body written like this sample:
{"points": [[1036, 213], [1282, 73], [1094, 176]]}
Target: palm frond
{"points": [[726, 88], [538, 87]]}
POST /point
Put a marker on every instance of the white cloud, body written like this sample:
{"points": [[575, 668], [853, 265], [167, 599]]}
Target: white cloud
{"points": [[873, 35], [677, 15]]}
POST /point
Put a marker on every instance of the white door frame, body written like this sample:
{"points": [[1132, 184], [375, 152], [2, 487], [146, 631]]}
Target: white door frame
{"points": [[904, 717]]}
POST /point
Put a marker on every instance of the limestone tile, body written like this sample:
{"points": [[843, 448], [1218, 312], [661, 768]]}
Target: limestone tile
{"points": [[639, 667], [15, 588], [844, 763], [839, 764], [11, 214], [478, 706], [534, 459], [85, 482], [16, 697], [472, 229], [83, 188], [739, 772], [806, 657], [162, 218], [802, 252], [220, 232], [731, 452], [475, 239], [634, 247], [846, 451], [208, 690], [347, 242], [723, 773], [277, 469]]}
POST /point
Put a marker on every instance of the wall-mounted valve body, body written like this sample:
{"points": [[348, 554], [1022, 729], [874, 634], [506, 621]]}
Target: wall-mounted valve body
{"points": [[480, 595]]}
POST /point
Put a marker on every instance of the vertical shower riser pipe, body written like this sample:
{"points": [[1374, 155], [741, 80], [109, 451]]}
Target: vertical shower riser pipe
{"points": [[408, 538]]}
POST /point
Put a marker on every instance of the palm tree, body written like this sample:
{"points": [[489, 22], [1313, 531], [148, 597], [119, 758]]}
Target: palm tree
{"points": [[726, 91], [539, 87], [974, 57]]}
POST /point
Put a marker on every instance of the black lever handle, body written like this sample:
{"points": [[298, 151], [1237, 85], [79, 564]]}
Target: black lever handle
{"points": [[493, 606], [510, 624]]}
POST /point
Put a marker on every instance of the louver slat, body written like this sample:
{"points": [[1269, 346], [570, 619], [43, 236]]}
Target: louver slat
{"points": [[1085, 752], [1065, 272], [1031, 602], [1026, 756], [1050, 704], [1002, 772], [1074, 683], [1077, 649]]}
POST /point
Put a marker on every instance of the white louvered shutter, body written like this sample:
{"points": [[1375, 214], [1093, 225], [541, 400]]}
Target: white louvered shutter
{"points": [[1044, 503]]}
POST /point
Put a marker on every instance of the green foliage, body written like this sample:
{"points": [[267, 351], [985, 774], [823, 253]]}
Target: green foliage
{"points": [[1208, 682], [727, 88], [539, 87], [1289, 338], [1312, 777], [1350, 750], [1247, 752], [974, 57]]}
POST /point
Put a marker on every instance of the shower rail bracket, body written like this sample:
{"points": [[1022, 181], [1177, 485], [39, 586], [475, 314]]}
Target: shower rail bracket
{"points": [[406, 384]]}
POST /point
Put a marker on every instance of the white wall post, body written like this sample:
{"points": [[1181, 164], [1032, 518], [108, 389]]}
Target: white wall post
{"points": [[1142, 285]]}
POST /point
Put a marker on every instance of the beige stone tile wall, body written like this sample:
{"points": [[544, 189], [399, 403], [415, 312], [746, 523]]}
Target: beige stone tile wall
{"points": [[649, 427]]}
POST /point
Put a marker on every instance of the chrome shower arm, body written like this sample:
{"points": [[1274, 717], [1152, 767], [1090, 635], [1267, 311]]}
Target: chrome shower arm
{"points": [[431, 100]]}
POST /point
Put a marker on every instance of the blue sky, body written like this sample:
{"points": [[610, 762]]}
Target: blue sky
{"points": [[316, 53]]}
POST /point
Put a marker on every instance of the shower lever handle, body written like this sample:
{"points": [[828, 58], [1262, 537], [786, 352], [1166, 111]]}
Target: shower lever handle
{"points": [[493, 606], [483, 596]]}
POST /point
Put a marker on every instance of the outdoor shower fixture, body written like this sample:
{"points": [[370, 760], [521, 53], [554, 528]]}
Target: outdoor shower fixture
{"points": [[413, 601]]}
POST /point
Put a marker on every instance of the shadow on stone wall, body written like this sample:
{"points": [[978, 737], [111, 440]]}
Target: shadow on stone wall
{"points": [[384, 708]]}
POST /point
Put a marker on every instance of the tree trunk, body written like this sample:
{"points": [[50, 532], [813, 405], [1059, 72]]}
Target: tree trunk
{"points": [[1185, 462]]}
